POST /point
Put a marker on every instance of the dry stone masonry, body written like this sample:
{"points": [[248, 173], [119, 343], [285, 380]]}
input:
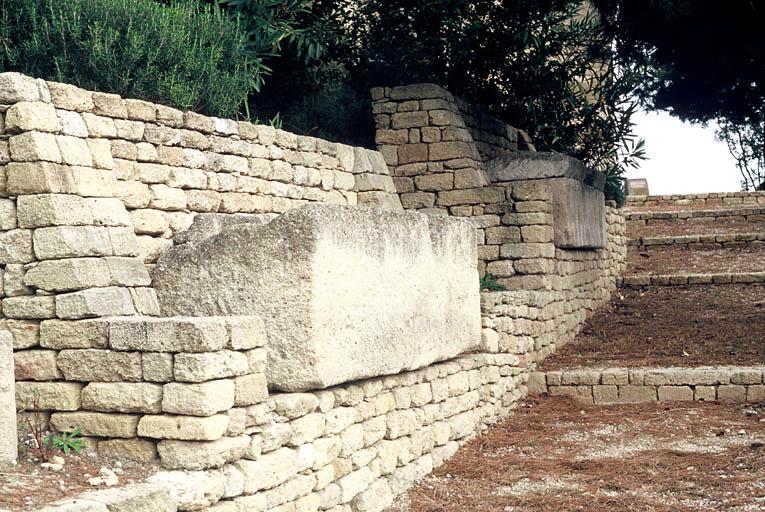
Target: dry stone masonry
{"points": [[322, 356], [635, 385]]}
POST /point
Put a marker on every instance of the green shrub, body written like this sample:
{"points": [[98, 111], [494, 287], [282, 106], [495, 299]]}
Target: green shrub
{"points": [[185, 54]]}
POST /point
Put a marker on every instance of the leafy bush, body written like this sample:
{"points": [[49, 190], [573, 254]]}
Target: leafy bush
{"points": [[185, 54]]}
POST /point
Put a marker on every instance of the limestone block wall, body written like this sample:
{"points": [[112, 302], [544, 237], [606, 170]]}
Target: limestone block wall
{"points": [[166, 165], [712, 199], [168, 390], [437, 147], [635, 385], [94, 187]]}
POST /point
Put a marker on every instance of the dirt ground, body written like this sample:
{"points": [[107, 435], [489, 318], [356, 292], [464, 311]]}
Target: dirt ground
{"points": [[554, 455], [672, 326], [694, 261], [705, 226], [28, 486]]}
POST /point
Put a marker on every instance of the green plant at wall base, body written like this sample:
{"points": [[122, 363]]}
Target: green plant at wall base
{"points": [[489, 283], [67, 441], [185, 54]]}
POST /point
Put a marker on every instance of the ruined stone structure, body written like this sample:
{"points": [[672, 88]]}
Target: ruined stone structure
{"points": [[99, 194]]}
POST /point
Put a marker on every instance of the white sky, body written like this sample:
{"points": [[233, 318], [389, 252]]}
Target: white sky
{"points": [[683, 158]]}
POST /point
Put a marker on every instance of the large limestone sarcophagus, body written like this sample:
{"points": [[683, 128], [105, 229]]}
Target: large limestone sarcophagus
{"points": [[345, 292]]}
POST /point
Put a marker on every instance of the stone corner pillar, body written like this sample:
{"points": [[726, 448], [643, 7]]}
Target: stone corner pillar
{"points": [[8, 433]]}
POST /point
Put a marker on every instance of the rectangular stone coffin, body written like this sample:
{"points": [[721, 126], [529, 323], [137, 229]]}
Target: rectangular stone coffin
{"points": [[577, 193], [346, 293]]}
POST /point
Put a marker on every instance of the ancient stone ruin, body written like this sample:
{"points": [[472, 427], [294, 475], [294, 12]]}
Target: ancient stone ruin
{"points": [[280, 322]]}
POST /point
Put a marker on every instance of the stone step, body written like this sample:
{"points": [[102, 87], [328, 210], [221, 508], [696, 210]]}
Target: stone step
{"points": [[641, 280], [708, 199], [748, 211], [637, 385], [705, 241]]}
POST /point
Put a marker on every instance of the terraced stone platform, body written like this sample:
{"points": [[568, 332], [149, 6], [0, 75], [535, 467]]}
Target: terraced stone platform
{"points": [[689, 322]]}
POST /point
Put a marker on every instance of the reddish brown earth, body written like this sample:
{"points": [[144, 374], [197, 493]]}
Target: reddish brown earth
{"points": [[554, 455], [672, 326], [695, 261]]}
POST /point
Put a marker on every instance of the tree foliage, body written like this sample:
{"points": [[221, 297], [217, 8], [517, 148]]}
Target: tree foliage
{"points": [[702, 61], [543, 65], [183, 54]]}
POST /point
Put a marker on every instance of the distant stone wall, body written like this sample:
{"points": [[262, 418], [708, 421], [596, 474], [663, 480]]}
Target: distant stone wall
{"points": [[712, 199]]}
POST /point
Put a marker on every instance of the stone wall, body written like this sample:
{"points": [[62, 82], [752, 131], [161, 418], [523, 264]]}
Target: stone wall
{"points": [[637, 385], [446, 158], [712, 199], [93, 188]]}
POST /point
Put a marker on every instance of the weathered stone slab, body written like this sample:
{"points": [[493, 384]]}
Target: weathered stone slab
{"points": [[537, 165], [579, 213], [346, 293], [577, 193], [8, 435], [637, 187], [206, 225]]}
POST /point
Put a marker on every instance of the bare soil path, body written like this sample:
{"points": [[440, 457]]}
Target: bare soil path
{"points": [[555, 455], [672, 326], [699, 261]]}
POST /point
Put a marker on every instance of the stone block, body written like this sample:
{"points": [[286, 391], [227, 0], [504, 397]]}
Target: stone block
{"points": [[8, 434], [270, 470], [77, 241], [731, 393], [95, 302], [196, 455], [579, 215], [37, 365], [250, 389], [177, 334], [95, 365], [62, 334], [157, 366], [16, 246], [192, 490], [42, 210], [188, 428], [675, 393], [15, 87], [755, 393], [329, 313], [134, 498], [30, 116], [30, 307], [203, 399], [209, 366], [96, 424], [34, 147], [637, 394], [69, 97], [41, 396], [122, 397], [136, 450]]}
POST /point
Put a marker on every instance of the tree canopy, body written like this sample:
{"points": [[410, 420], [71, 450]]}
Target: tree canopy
{"points": [[703, 61]]}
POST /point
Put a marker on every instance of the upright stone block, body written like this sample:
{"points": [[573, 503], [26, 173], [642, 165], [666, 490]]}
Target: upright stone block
{"points": [[8, 435], [577, 194], [345, 293]]}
